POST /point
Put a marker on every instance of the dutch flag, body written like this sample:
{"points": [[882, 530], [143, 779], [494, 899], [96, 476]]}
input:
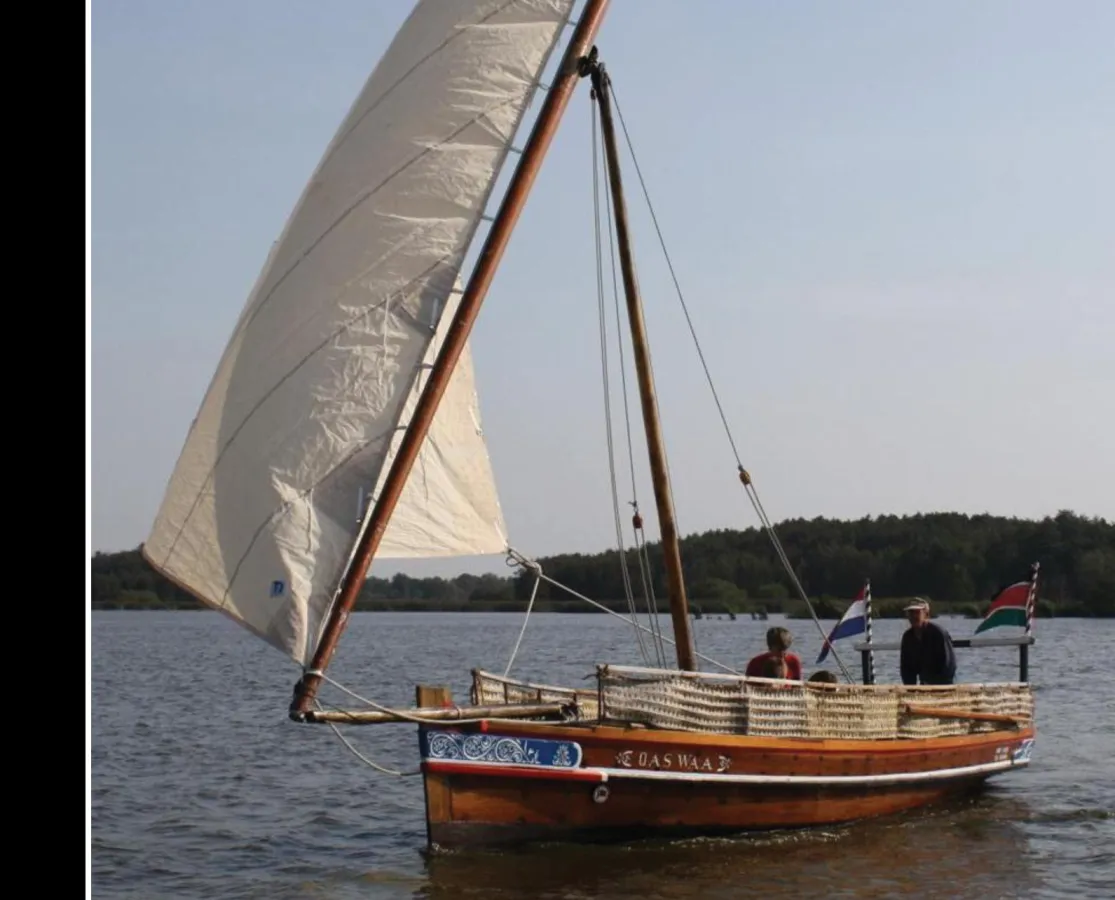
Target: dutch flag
{"points": [[854, 621]]}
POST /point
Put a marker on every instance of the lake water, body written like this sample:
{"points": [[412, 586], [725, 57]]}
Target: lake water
{"points": [[202, 787]]}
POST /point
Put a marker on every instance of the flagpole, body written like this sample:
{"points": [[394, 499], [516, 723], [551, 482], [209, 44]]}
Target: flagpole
{"points": [[1031, 598], [853, 621], [869, 657], [1024, 647]]}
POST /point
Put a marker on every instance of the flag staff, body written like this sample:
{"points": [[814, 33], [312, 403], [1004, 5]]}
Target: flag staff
{"points": [[856, 619], [868, 656]]}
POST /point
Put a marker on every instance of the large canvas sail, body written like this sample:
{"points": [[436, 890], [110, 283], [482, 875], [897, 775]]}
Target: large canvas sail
{"points": [[305, 408], [449, 506]]}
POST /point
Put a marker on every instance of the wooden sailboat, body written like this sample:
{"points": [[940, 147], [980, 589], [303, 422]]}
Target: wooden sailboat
{"points": [[342, 426]]}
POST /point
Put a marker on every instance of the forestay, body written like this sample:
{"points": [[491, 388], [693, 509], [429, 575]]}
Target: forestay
{"points": [[305, 408]]}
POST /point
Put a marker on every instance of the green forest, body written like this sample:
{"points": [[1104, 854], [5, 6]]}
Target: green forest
{"points": [[957, 561]]}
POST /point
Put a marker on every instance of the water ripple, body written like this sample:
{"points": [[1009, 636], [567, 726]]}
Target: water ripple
{"points": [[203, 788]]}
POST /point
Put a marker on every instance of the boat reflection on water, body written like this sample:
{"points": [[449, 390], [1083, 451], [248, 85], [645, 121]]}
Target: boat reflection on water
{"points": [[975, 847]]}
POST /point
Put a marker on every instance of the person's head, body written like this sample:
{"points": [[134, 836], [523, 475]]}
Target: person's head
{"points": [[917, 612], [779, 640], [824, 676], [774, 667]]}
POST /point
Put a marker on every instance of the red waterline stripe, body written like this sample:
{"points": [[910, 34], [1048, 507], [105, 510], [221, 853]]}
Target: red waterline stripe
{"points": [[440, 767]]}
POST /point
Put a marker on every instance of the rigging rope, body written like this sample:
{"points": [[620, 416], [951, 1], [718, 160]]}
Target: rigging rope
{"points": [[516, 558], [623, 562], [402, 715], [405, 716], [526, 618], [642, 554], [744, 477], [643, 558], [360, 756]]}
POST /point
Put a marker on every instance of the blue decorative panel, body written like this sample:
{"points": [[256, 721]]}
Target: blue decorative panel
{"points": [[498, 750]]}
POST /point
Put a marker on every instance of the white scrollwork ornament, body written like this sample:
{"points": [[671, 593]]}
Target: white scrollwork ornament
{"points": [[443, 746], [486, 748]]}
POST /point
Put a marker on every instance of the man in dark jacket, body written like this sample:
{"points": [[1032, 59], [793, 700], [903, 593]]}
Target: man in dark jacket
{"points": [[927, 652]]}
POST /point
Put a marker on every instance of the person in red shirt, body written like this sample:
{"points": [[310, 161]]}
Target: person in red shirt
{"points": [[777, 662]]}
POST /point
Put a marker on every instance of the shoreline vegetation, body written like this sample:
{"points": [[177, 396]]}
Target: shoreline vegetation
{"points": [[957, 561]]}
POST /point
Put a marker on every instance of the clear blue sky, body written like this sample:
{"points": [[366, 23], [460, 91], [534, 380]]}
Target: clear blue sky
{"points": [[894, 223]]}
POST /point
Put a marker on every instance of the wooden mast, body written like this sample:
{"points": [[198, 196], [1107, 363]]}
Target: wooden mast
{"points": [[679, 607], [530, 161]]}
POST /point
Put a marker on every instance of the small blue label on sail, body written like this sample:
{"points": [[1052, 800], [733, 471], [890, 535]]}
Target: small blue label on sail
{"points": [[277, 588]]}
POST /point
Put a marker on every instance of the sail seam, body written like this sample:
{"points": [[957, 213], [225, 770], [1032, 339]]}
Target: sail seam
{"points": [[466, 246], [317, 242], [485, 114], [284, 508], [347, 326], [409, 72], [248, 315], [226, 437]]}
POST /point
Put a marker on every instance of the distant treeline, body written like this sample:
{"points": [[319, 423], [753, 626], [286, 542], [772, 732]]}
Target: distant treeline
{"points": [[957, 561]]}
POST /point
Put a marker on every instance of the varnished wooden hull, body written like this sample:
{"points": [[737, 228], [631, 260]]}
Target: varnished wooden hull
{"points": [[516, 784]]}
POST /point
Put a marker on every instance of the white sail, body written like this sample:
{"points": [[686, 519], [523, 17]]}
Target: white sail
{"points": [[303, 412], [449, 505]]}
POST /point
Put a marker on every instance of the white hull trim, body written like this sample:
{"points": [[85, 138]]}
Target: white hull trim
{"points": [[608, 774], [829, 780]]}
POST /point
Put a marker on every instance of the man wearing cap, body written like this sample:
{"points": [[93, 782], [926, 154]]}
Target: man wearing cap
{"points": [[927, 654]]}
